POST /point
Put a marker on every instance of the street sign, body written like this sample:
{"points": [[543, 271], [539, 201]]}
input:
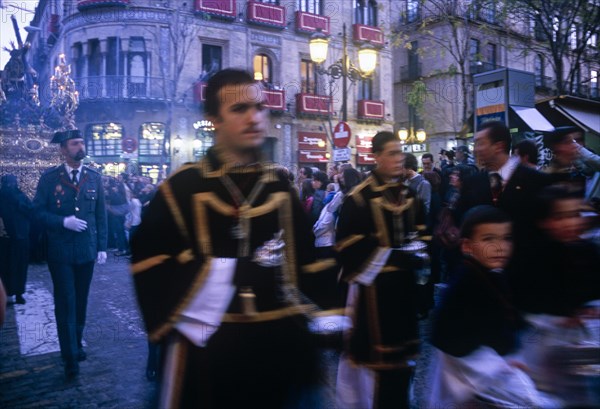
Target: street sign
{"points": [[341, 134], [129, 144], [342, 154]]}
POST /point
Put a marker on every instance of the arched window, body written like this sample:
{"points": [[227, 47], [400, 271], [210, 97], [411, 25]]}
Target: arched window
{"points": [[365, 89], [137, 69], [538, 70], [311, 6], [263, 70], [365, 12]]}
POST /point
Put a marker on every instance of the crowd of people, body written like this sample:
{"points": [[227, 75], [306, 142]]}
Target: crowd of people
{"points": [[243, 269]]}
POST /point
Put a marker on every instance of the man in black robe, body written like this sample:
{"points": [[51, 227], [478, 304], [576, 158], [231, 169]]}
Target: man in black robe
{"points": [[216, 262]]}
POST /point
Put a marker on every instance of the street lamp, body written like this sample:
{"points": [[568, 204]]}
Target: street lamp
{"points": [[408, 136], [343, 68]]}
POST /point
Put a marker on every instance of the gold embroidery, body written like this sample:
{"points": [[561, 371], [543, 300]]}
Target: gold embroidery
{"points": [[148, 263], [382, 233], [174, 368], [373, 312], [185, 256], [161, 331], [319, 266], [348, 241], [268, 315], [175, 211]]}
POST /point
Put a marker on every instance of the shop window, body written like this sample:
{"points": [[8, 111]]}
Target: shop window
{"points": [[263, 69], [104, 139], [152, 139]]}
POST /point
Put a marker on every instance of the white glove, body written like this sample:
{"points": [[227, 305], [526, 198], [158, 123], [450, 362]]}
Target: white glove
{"points": [[75, 224], [101, 257]]}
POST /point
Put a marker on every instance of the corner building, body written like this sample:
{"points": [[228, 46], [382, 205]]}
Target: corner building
{"points": [[140, 68]]}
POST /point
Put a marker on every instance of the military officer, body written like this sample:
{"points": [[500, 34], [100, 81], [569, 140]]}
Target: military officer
{"points": [[70, 204]]}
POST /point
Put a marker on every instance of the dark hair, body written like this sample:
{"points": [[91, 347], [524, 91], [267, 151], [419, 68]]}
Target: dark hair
{"points": [[427, 156], [321, 177], [529, 148], [498, 133], [351, 178], [549, 196], [307, 189], [381, 138], [221, 79], [308, 172], [410, 162], [433, 178], [483, 214], [450, 155]]}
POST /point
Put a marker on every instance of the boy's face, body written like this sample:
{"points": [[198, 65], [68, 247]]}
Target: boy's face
{"points": [[491, 245], [565, 223]]}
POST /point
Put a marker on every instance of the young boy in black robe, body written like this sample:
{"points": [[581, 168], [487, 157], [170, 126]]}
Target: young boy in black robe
{"points": [[476, 327]]}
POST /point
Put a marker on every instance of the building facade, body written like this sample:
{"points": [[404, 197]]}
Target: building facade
{"points": [[442, 44], [140, 67]]}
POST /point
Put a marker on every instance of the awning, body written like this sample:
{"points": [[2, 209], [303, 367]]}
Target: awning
{"points": [[533, 118], [584, 118]]}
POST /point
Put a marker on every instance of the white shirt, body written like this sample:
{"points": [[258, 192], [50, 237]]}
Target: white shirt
{"points": [[507, 170], [70, 169]]}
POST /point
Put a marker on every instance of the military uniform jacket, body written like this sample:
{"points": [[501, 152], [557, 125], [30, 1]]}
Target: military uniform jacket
{"points": [[195, 219], [56, 198], [374, 218]]}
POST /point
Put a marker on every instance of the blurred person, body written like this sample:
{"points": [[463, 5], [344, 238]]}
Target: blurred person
{"points": [[416, 182], [325, 288], [376, 220], [118, 208], [559, 291], [319, 184], [527, 152], [476, 327], [304, 173], [222, 246], [134, 216], [463, 156], [447, 165], [307, 196], [330, 193], [69, 202], [15, 211], [429, 165]]}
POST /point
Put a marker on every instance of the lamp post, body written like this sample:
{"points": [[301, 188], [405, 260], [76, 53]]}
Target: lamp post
{"points": [[343, 68], [407, 136]]}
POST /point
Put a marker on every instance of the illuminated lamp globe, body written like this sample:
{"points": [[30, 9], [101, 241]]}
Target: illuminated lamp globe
{"points": [[318, 44], [367, 59]]}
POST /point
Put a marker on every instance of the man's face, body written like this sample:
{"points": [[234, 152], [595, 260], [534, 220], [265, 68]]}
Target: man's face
{"points": [[491, 245], [565, 151], [241, 123], [427, 164], [74, 149], [485, 151], [565, 223], [390, 160], [460, 156]]}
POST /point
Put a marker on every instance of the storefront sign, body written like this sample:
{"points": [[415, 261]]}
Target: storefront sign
{"points": [[312, 141], [313, 157]]}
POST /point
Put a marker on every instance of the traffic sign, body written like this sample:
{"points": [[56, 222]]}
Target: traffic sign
{"points": [[342, 154], [341, 134]]}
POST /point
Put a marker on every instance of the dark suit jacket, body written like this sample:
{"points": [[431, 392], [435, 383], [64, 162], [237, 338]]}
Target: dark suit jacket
{"points": [[56, 198], [518, 198], [15, 211]]}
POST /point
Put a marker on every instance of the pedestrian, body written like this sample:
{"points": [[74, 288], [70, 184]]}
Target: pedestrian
{"points": [[476, 327], [376, 221], [69, 202], [15, 211], [527, 152], [216, 261]]}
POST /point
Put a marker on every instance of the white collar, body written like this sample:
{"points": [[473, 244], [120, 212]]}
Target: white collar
{"points": [[69, 169], [507, 170]]}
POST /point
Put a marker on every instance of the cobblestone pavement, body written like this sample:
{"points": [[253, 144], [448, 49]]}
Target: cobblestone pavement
{"points": [[113, 376]]}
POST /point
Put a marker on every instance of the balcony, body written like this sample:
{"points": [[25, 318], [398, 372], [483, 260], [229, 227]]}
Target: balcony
{"points": [[367, 34], [275, 100], [90, 4], [411, 72], [199, 92], [264, 14], [372, 110], [224, 9], [120, 87], [309, 23], [481, 66], [311, 104]]}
